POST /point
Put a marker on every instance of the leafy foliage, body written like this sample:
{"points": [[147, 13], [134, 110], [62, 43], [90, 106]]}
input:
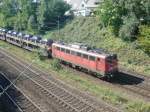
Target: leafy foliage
{"points": [[138, 107], [29, 15], [129, 29], [49, 11], [43, 54], [32, 25], [56, 65], [2, 23], [117, 12], [144, 39]]}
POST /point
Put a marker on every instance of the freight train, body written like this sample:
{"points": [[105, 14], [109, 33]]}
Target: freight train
{"points": [[77, 54]]}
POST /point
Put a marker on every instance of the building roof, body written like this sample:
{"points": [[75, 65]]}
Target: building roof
{"points": [[92, 3], [77, 4], [74, 3]]}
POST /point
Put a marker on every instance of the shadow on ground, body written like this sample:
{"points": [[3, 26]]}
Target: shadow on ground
{"points": [[7, 103], [126, 79]]}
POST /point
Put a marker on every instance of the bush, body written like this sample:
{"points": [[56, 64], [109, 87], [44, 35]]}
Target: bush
{"points": [[144, 39], [138, 107], [56, 65], [144, 44], [42, 53], [129, 29]]}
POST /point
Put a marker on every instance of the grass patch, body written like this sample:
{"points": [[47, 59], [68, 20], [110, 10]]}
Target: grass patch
{"points": [[55, 65], [100, 91], [138, 107]]}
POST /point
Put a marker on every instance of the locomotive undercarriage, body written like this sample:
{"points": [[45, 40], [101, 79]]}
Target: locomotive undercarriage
{"points": [[101, 75]]}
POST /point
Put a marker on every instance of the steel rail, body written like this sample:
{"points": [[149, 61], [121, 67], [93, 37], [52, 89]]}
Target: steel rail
{"points": [[21, 92]]}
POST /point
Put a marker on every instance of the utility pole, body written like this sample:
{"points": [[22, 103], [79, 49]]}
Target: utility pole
{"points": [[58, 27]]}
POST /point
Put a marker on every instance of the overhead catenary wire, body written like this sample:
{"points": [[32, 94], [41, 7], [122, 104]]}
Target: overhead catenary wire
{"points": [[4, 75], [12, 99], [16, 78], [54, 26]]}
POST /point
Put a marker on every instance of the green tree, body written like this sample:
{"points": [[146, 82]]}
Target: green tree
{"points": [[32, 25], [49, 11], [129, 29], [23, 13], [113, 12], [144, 38], [15, 13], [2, 20], [8, 10], [29, 15]]}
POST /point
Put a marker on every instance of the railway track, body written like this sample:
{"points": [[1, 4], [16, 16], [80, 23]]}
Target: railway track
{"points": [[20, 101], [26, 85], [52, 91], [141, 88]]}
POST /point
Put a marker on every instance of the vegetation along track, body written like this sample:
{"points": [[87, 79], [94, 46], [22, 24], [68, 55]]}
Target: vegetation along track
{"points": [[67, 101], [134, 83], [14, 98]]}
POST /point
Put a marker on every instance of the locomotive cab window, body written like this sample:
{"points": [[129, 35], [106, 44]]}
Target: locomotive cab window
{"points": [[91, 58], [85, 56], [73, 52], [78, 54], [111, 59], [58, 48], [67, 51]]}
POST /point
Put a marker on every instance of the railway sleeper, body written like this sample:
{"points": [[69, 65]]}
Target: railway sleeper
{"points": [[50, 95], [65, 105], [62, 93], [81, 105], [74, 102], [88, 109], [27, 105], [56, 91], [51, 88], [63, 96], [66, 98], [46, 83], [68, 108], [24, 104], [78, 105], [70, 100], [43, 82]]}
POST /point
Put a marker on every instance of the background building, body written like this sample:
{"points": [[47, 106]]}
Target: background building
{"points": [[83, 7]]}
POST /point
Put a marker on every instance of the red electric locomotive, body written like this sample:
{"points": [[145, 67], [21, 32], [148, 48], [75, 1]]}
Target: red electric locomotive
{"points": [[79, 55]]}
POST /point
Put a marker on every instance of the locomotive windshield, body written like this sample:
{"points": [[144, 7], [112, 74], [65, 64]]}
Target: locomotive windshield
{"points": [[112, 58]]}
